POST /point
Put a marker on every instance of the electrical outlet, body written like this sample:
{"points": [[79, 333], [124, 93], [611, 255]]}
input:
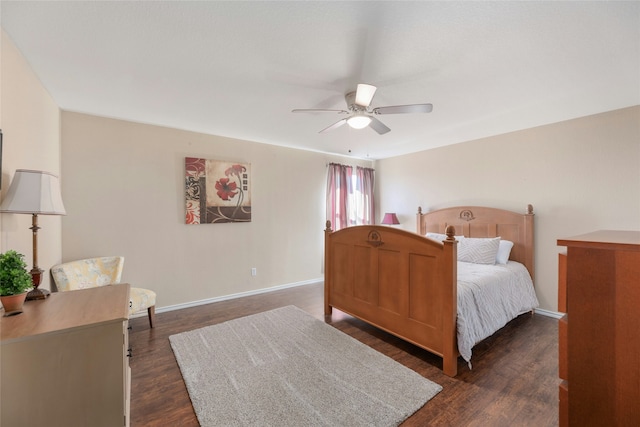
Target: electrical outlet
{"points": [[254, 271]]}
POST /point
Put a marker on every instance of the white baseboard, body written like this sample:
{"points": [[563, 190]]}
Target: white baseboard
{"points": [[228, 297], [541, 311], [549, 313]]}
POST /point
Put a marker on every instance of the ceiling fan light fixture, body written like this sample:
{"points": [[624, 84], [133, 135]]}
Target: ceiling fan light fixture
{"points": [[359, 121]]}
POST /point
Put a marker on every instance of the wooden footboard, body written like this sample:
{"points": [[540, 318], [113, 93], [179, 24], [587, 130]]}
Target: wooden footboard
{"points": [[397, 281]]}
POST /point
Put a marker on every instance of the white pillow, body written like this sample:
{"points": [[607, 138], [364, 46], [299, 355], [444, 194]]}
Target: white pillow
{"points": [[504, 250], [440, 237], [478, 250]]}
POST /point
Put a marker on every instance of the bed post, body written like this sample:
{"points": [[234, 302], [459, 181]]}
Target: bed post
{"points": [[528, 230], [419, 224], [327, 269], [450, 306]]}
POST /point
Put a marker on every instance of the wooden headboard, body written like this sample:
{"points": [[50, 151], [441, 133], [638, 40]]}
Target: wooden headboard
{"points": [[478, 221]]}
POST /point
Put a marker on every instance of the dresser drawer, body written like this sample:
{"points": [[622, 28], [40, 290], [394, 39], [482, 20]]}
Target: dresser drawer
{"points": [[563, 395], [563, 359], [562, 283]]}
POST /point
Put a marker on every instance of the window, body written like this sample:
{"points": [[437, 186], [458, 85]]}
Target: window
{"points": [[349, 196]]}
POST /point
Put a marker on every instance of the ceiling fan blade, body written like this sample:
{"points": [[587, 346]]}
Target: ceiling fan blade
{"points": [[378, 126], [318, 110], [334, 126], [364, 94], [402, 109]]}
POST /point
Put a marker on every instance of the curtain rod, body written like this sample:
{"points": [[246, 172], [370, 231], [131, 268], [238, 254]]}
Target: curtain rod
{"points": [[339, 164]]}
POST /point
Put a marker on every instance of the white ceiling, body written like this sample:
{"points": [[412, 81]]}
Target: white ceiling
{"points": [[237, 69]]}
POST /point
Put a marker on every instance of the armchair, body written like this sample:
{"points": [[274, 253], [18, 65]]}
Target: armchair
{"points": [[93, 272]]}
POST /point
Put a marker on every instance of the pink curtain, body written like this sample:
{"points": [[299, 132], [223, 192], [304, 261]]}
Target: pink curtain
{"points": [[365, 208], [349, 197], [338, 190]]}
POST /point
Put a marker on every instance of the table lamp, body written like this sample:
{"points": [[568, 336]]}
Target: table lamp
{"points": [[390, 219], [36, 193]]}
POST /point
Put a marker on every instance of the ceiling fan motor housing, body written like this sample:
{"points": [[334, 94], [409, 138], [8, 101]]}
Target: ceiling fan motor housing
{"points": [[350, 98]]}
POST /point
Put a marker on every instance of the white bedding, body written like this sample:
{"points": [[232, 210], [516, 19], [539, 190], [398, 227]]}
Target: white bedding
{"points": [[489, 296]]}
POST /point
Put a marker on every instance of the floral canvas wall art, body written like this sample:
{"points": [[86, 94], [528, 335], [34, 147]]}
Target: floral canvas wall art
{"points": [[217, 191]]}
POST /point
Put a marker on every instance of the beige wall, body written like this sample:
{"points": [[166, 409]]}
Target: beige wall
{"points": [[580, 175], [124, 194], [30, 123]]}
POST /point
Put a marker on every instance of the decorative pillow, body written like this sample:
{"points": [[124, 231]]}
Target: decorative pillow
{"points": [[504, 250], [478, 250]]}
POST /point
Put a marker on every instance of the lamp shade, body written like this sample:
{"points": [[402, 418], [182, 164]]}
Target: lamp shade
{"points": [[34, 192], [390, 218], [359, 121]]}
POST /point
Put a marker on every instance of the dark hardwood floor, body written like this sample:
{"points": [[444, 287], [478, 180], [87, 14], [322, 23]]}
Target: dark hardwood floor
{"points": [[514, 380]]}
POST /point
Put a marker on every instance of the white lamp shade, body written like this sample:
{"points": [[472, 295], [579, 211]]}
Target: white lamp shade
{"points": [[359, 121], [34, 192]]}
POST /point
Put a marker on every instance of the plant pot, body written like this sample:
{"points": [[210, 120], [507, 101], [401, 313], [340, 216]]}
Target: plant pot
{"points": [[13, 303]]}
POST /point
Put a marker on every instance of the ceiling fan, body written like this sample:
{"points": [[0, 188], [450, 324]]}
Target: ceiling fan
{"points": [[362, 115]]}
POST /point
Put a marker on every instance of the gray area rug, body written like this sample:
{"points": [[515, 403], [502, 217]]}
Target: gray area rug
{"points": [[286, 368]]}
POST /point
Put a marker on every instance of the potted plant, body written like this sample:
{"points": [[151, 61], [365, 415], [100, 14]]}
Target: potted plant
{"points": [[14, 282]]}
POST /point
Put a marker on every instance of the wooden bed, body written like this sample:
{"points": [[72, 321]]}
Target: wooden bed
{"points": [[405, 283]]}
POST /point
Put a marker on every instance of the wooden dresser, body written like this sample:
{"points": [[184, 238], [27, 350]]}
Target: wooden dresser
{"points": [[599, 337], [64, 360]]}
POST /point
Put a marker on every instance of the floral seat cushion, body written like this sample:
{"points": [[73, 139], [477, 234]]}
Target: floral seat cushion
{"points": [[141, 299]]}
